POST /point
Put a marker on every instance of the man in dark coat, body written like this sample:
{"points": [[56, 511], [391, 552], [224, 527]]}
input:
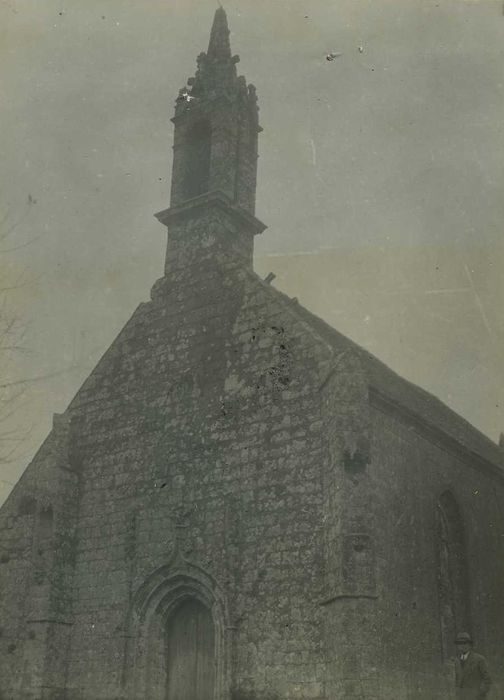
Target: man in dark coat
{"points": [[472, 678]]}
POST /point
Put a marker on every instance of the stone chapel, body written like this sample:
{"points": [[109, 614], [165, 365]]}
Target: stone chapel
{"points": [[240, 503]]}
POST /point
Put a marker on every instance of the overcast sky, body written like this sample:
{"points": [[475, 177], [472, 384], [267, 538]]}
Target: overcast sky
{"points": [[380, 179]]}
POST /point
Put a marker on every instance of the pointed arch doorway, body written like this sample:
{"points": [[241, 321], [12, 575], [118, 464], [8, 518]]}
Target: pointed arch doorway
{"points": [[177, 643], [190, 652]]}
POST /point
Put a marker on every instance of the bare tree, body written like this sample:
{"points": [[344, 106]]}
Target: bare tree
{"points": [[15, 385], [12, 342]]}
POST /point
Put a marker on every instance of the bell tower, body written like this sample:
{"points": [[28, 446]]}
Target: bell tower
{"points": [[214, 157]]}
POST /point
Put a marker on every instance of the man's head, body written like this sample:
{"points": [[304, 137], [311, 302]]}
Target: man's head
{"points": [[463, 642]]}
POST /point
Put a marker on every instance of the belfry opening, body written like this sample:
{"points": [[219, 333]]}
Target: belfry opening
{"points": [[198, 151]]}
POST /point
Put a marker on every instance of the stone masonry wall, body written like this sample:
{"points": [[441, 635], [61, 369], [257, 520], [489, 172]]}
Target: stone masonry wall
{"points": [[410, 474], [37, 541], [201, 432]]}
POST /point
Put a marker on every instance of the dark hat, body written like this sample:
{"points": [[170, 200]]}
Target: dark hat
{"points": [[463, 638]]}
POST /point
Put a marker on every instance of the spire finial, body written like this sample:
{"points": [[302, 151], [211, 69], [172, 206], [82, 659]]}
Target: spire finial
{"points": [[219, 46]]}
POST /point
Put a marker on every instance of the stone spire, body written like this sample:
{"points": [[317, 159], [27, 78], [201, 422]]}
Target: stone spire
{"points": [[219, 47], [216, 127], [216, 73], [215, 151]]}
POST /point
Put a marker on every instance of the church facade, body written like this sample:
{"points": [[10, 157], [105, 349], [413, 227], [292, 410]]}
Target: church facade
{"points": [[240, 503]]}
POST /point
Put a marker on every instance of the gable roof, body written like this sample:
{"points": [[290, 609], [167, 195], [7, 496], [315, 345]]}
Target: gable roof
{"points": [[423, 411]]}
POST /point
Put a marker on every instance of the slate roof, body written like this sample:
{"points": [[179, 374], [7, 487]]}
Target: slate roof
{"points": [[418, 407]]}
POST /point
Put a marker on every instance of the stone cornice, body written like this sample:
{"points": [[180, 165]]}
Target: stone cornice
{"points": [[217, 199]]}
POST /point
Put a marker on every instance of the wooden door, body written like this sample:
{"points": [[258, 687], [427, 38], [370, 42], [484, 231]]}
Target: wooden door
{"points": [[191, 653]]}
